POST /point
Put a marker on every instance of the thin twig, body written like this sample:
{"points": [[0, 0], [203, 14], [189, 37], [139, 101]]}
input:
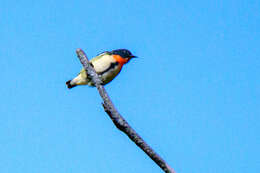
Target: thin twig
{"points": [[117, 119]]}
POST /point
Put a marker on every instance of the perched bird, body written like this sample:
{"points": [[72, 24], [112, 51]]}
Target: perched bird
{"points": [[107, 65]]}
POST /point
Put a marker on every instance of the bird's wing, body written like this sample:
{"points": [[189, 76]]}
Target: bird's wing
{"points": [[99, 56], [102, 62]]}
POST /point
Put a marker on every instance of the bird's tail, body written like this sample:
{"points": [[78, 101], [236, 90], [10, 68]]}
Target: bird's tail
{"points": [[81, 79], [69, 85]]}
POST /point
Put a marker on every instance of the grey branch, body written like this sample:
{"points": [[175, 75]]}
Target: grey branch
{"points": [[117, 119]]}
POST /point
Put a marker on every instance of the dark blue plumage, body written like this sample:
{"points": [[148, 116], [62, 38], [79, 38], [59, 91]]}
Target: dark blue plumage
{"points": [[124, 53]]}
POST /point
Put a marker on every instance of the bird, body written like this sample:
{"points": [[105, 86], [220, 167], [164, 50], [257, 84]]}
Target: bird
{"points": [[107, 65]]}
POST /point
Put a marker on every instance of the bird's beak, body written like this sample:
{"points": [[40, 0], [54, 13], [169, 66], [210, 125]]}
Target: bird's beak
{"points": [[134, 56]]}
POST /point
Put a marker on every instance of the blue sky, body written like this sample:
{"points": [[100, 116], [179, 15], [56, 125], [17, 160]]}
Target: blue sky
{"points": [[193, 94]]}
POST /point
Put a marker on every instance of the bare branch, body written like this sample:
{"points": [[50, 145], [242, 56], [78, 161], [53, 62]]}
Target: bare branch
{"points": [[117, 119]]}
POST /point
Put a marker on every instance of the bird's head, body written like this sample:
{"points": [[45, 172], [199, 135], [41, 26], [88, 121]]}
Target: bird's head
{"points": [[122, 55]]}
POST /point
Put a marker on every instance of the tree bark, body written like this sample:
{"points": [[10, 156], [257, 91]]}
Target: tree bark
{"points": [[117, 119]]}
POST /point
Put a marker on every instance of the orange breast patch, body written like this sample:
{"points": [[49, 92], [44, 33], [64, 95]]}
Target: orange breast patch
{"points": [[120, 60]]}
